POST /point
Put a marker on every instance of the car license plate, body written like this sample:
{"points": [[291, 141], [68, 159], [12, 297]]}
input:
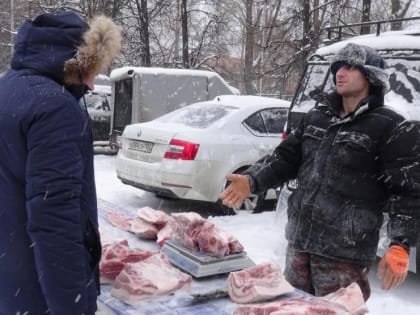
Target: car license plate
{"points": [[142, 146]]}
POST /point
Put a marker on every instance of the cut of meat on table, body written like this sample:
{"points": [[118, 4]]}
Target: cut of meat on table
{"points": [[168, 232], [187, 226], [152, 277], [119, 220], [214, 241], [143, 229], [256, 284], [336, 303], [112, 260], [196, 233], [156, 217], [296, 306], [351, 297], [115, 256], [137, 254]]}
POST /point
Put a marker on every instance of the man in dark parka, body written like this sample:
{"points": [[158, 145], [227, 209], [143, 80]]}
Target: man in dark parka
{"points": [[354, 158], [49, 240]]}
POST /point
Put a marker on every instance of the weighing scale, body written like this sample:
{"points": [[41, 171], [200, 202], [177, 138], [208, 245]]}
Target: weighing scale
{"points": [[201, 265]]}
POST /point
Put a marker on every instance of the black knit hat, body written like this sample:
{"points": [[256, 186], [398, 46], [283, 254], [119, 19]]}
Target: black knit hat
{"points": [[370, 63]]}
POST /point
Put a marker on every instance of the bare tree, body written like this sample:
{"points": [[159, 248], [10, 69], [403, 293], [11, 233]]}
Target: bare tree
{"points": [[144, 32], [399, 10], [365, 29], [184, 23], [109, 8]]}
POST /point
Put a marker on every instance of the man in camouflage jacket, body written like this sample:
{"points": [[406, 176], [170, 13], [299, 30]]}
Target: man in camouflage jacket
{"points": [[354, 159]]}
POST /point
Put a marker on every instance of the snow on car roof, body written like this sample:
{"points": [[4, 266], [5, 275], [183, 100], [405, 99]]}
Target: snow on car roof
{"points": [[385, 41], [128, 71], [250, 100], [122, 72]]}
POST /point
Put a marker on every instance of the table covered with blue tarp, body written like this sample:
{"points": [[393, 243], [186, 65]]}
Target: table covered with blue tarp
{"points": [[178, 303]]}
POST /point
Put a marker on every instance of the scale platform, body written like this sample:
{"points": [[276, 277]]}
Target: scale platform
{"points": [[201, 265]]}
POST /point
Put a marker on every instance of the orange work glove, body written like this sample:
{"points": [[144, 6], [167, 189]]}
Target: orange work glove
{"points": [[393, 267]]}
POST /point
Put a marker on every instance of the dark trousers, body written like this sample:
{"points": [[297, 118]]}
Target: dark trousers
{"points": [[320, 275]]}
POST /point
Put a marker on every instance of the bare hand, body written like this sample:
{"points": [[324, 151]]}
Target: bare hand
{"points": [[237, 191]]}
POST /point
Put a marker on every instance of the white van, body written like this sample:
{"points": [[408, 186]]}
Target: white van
{"points": [[141, 94]]}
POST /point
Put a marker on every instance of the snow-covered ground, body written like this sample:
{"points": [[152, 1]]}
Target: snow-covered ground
{"points": [[261, 234]]}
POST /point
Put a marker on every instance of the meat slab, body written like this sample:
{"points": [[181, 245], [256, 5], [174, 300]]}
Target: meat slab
{"points": [[214, 241], [346, 301], [115, 256], [143, 229], [196, 233], [168, 232], [156, 217], [152, 277], [112, 260], [119, 220], [190, 228], [256, 284]]}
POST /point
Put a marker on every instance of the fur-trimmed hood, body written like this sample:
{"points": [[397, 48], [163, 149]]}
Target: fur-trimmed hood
{"points": [[64, 47], [101, 43]]}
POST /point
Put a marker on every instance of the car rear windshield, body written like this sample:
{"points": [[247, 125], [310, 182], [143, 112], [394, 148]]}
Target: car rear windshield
{"points": [[198, 116]]}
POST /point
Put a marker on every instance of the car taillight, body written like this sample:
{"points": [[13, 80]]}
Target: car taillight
{"points": [[181, 150], [284, 135]]}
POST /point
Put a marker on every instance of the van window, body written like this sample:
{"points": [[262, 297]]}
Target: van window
{"points": [[123, 104]]}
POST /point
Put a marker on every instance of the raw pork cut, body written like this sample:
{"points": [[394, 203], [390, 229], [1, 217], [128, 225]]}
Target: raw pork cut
{"points": [[196, 233], [345, 301], [351, 297], [148, 278], [156, 217], [214, 241], [296, 306], [168, 232], [112, 260], [119, 220], [256, 284], [187, 226], [143, 229], [115, 256]]}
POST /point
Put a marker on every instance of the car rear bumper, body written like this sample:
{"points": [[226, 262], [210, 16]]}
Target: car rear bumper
{"points": [[189, 180]]}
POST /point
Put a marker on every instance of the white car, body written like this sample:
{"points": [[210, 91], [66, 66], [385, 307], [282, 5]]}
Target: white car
{"points": [[188, 152]]}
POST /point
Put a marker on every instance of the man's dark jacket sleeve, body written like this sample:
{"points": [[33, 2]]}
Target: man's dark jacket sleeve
{"points": [[279, 167], [401, 165]]}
